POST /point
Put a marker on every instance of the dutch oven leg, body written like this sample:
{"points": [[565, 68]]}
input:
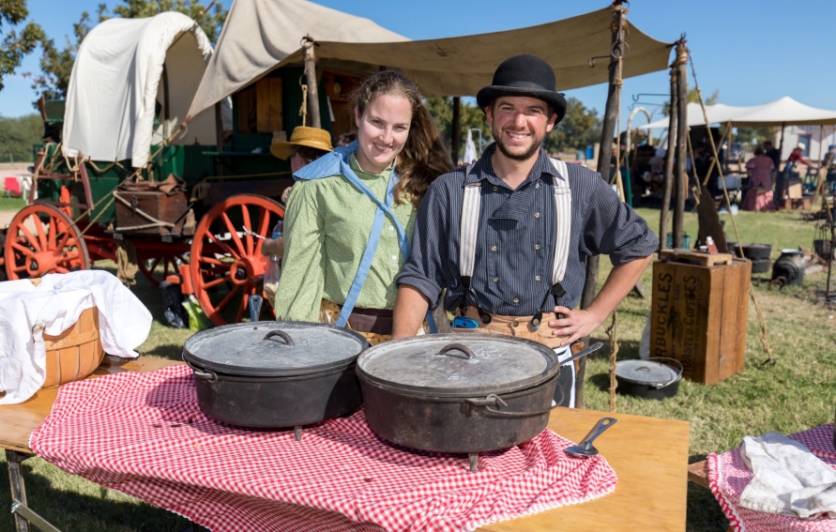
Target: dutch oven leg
{"points": [[474, 461], [297, 433]]}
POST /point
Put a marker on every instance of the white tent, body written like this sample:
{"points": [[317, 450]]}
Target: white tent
{"points": [[784, 111], [717, 113], [261, 35], [121, 71]]}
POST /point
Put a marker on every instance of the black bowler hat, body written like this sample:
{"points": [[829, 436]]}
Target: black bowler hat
{"points": [[524, 75]]}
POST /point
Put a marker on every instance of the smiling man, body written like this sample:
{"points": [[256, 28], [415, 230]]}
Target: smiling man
{"points": [[508, 235]]}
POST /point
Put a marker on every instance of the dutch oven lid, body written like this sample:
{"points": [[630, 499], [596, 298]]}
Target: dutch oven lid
{"points": [[439, 364], [647, 372], [273, 349]]}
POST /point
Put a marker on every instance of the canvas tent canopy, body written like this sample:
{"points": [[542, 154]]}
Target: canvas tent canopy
{"points": [[783, 111], [262, 35], [120, 72]]}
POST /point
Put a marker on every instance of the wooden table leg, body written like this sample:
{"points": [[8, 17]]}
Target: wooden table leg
{"points": [[14, 459]]}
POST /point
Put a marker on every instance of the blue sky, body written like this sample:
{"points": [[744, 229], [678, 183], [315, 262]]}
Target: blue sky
{"points": [[750, 51]]}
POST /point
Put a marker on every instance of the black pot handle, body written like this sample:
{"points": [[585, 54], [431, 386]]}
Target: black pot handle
{"points": [[286, 337], [494, 399], [459, 347], [675, 379]]}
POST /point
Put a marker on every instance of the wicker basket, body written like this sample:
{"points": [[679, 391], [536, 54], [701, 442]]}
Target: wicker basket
{"points": [[75, 353]]}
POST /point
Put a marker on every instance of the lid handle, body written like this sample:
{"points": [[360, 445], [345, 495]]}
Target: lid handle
{"points": [[458, 347], [286, 337]]}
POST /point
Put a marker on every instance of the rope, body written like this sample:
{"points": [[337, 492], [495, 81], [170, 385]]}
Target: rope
{"points": [[126, 263], [764, 340], [303, 111], [612, 333]]}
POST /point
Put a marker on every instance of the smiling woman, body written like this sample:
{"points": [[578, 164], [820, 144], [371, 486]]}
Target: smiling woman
{"points": [[349, 220]]}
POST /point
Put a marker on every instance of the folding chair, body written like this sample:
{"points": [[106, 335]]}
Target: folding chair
{"points": [[12, 187]]}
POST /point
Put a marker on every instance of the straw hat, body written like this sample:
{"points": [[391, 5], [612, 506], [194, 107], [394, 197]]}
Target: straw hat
{"points": [[310, 137]]}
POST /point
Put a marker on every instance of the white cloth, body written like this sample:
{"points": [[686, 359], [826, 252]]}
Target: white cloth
{"points": [[788, 479], [54, 306], [117, 80]]}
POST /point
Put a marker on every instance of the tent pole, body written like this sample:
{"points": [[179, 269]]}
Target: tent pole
{"points": [[310, 73], [673, 119], [605, 154], [680, 177], [456, 129]]}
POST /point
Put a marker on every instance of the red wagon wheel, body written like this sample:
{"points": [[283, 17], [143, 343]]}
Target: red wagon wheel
{"points": [[227, 266], [41, 240], [157, 266]]}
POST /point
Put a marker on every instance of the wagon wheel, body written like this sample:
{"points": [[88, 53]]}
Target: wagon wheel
{"points": [[41, 240], [227, 266], [156, 267]]}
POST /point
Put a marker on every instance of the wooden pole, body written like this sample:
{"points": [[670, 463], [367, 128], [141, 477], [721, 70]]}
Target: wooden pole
{"points": [[219, 140], [310, 73], [456, 129], [590, 286], [673, 129], [680, 177]]}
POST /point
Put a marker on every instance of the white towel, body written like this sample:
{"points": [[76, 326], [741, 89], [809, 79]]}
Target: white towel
{"points": [[53, 307], [788, 478]]}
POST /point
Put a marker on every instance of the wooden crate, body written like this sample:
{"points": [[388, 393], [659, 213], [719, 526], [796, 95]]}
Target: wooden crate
{"points": [[699, 317], [143, 208], [75, 353]]}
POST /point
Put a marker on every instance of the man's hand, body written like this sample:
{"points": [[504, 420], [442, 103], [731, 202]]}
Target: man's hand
{"points": [[286, 194], [576, 324]]}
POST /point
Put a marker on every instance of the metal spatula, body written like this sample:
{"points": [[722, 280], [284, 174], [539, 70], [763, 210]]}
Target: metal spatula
{"points": [[585, 448]]}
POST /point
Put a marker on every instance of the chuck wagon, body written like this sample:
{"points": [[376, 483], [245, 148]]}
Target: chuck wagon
{"points": [[149, 99]]}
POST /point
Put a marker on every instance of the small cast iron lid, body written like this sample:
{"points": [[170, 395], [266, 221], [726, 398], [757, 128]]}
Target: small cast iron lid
{"points": [[648, 372], [273, 348], [458, 365]]}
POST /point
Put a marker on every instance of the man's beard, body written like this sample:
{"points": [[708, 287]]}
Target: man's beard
{"points": [[536, 143]]}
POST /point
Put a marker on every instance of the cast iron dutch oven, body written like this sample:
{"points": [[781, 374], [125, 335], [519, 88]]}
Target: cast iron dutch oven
{"points": [[458, 393], [270, 374], [653, 378]]}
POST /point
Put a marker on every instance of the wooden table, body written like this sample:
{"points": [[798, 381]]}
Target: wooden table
{"points": [[649, 455]]}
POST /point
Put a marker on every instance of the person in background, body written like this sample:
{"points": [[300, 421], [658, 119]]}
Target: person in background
{"points": [[306, 144], [759, 195], [346, 138], [350, 216], [796, 157], [515, 264]]}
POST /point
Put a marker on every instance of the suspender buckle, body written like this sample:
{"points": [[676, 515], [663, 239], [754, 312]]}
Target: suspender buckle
{"points": [[486, 318], [536, 320], [557, 290]]}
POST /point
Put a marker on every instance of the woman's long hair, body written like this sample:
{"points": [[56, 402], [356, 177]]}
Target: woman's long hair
{"points": [[424, 156]]}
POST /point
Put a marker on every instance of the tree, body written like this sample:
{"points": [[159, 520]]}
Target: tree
{"points": [[470, 116], [751, 136], [15, 46], [17, 135], [693, 97], [578, 129], [57, 65]]}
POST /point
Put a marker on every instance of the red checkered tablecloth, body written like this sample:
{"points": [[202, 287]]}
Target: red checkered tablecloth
{"points": [[144, 435], [728, 477]]}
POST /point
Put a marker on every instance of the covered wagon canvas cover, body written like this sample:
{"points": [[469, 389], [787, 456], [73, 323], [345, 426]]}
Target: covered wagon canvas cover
{"points": [[117, 79]]}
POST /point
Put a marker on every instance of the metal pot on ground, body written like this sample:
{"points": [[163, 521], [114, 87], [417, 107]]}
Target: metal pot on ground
{"points": [[789, 268], [275, 374], [459, 393], [654, 378]]}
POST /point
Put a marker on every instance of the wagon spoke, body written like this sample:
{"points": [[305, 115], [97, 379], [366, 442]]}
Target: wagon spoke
{"points": [[210, 260], [223, 245], [213, 284], [53, 233], [39, 227], [28, 236], [234, 234], [227, 299], [26, 251], [245, 297], [61, 269], [245, 215]]}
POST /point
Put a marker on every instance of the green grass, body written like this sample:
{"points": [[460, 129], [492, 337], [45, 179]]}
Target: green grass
{"points": [[795, 394], [11, 204]]}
